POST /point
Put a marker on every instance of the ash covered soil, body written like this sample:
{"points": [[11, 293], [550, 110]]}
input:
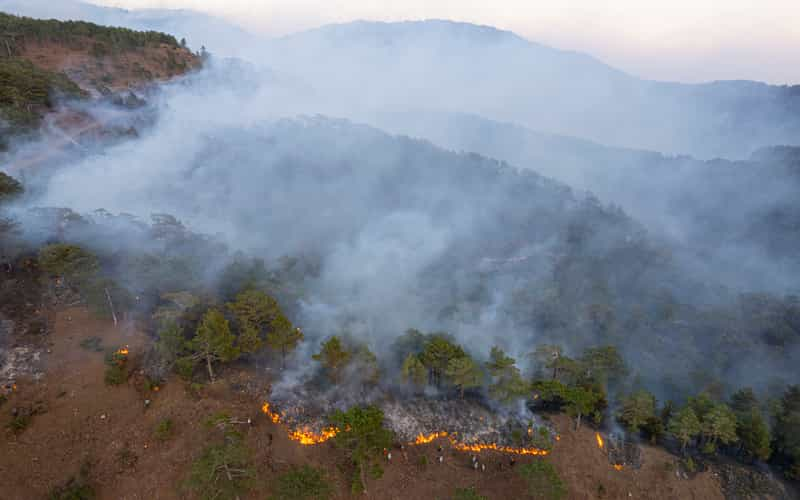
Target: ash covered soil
{"points": [[80, 422]]}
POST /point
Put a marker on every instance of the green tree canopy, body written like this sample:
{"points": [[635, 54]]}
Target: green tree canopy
{"points": [[685, 426], [603, 364], [508, 383], [334, 357], [259, 317], [438, 351], [213, 342], [786, 428], [413, 371], [363, 436], [718, 425], [754, 436], [463, 373], [223, 470], [72, 263], [499, 363], [637, 409], [302, 482], [10, 188]]}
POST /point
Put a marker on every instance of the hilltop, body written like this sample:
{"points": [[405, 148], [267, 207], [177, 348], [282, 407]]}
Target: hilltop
{"points": [[44, 62], [458, 67]]}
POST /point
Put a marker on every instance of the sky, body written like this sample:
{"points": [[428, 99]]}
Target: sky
{"points": [[675, 40]]}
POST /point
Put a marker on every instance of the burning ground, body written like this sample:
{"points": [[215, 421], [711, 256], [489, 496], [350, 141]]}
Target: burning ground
{"points": [[81, 421]]}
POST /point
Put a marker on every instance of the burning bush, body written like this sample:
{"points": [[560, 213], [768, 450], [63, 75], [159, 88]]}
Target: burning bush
{"points": [[117, 366]]}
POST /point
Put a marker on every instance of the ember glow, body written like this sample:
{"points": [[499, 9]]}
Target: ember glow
{"points": [[617, 466], [424, 439], [478, 447], [308, 437], [123, 351], [272, 415], [599, 440]]}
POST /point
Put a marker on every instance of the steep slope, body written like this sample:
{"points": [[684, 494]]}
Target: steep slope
{"points": [[97, 57], [218, 36], [407, 234], [710, 207], [446, 66], [47, 64]]}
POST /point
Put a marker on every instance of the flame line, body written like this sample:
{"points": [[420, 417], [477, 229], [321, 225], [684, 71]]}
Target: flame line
{"points": [[306, 436]]}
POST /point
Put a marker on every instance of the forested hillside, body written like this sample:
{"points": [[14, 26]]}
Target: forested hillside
{"points": [[205, 293], [45, 62]]}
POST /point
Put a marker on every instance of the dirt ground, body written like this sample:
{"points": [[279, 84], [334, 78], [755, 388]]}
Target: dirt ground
{"points": [[82, 421], [131, 68]]}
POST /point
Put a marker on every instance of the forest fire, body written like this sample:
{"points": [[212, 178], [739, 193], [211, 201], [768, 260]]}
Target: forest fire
{"points": [[424, 439], [618, 467], [269, 413], [478, 447], [599, 440], [308, 437], [122, 351]]}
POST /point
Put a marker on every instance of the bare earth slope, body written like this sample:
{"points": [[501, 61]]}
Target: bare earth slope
{"points": [[81, 422]]}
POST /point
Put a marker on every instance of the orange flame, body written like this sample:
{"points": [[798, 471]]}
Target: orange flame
{"points": [[617, 466], [307, 437], [478, 447], [123, 351], [599, 440], [272, 415], [423, 439]]}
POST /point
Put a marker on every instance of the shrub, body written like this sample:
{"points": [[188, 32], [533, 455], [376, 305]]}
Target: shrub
{"points": [[74, 489], [115, 375], [19, 423], [92, 344], [164, 429], [467, 494], [222, 472], [302, 483], [543, 480]]}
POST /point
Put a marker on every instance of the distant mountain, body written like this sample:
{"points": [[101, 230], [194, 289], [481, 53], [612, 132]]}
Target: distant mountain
{"points": [[217, 35], [746, 213], [456, 67]]}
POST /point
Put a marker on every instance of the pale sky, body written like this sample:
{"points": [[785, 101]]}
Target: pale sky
{"points": [[676, 40]]}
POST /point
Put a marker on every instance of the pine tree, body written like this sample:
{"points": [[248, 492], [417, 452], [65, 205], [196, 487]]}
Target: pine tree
{"points": [[363, 436], [334, 357], [284, 337], [213, 341], [413, 371], [508, 383], [685, 426], [463, 373], [637, 409]]}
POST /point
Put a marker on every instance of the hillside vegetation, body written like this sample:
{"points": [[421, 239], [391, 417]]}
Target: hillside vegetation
{"points": [[27, 91], [15, 31], [42, 61]]}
